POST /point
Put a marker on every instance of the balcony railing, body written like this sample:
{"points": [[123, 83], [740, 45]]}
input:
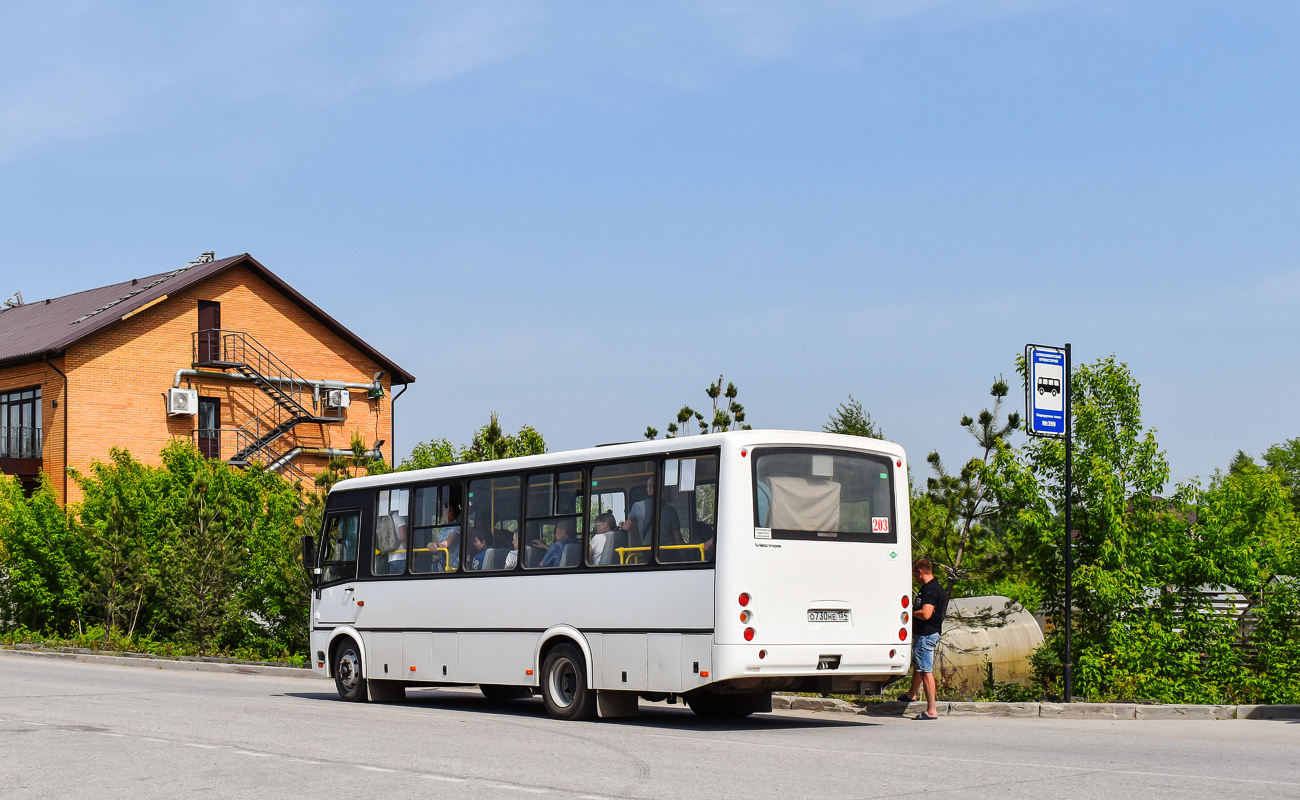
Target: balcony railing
{"points": [[20, 442]]}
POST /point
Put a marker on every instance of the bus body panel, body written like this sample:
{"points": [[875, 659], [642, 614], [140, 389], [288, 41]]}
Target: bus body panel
{"points": [[787, 578]]}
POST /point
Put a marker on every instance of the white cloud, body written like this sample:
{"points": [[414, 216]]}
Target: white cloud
{"points": [[472, 37]]}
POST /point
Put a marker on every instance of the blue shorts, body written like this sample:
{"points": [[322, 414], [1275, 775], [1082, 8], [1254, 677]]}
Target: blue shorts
{"points": [[923, 652]]}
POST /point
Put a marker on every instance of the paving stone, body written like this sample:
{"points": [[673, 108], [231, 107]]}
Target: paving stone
{"points": [[1088, 710], [1268, 712], [1186, 712], [993, 709]]}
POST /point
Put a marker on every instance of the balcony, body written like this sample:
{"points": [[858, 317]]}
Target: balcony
{"points": [[20, 451]]}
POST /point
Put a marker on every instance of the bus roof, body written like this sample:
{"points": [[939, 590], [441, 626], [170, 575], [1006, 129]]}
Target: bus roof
{"points": [[750, 438]]}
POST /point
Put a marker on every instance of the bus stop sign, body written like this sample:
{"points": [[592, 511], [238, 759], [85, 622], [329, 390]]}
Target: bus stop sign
{"points": [[1045, 392]]}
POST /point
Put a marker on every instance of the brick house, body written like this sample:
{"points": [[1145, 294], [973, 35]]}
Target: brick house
{"points": [[221, 352]]}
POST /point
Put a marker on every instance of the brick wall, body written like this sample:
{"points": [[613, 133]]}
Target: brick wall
{"points": [[119, 378]]}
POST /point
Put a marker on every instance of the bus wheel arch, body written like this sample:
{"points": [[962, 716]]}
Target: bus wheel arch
{"points": [[562, 634]]}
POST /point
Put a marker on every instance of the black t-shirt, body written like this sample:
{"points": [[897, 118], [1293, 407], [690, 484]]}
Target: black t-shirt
{"points": [[931, 594]]}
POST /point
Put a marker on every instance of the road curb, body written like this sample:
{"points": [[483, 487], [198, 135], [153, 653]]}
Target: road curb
{"points": [[1103, 711], [167, 663]]}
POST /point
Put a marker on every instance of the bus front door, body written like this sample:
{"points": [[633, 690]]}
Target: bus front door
{"points": [[336, 601]]}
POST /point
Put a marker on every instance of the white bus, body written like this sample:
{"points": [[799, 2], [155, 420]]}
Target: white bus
{"points": [[715, 569]]}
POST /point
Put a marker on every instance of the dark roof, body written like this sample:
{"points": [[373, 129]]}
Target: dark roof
{"points": [[46, 327]]}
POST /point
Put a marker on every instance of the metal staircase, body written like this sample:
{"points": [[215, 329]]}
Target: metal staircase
{"points": [[240, 352]]}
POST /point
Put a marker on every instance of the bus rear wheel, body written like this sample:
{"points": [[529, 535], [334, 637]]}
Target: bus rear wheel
{"points": [[564, 684], [348, 680]]}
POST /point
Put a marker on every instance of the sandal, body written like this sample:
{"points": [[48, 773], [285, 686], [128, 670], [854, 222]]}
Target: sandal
{"points": [[924, 715]]}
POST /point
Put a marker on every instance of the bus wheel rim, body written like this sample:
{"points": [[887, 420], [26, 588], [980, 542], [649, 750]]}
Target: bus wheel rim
{"points": [[564, 682], [349, 670]]}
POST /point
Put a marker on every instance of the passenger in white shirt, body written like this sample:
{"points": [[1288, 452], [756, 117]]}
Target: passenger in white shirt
{"points": [[604, 528]]}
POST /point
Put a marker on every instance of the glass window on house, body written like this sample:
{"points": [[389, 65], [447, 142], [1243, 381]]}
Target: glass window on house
{"points": [[391, 532], [20, 423], [554, 531], [435, 535], [621, 514], [687, 509], [492, 517]]}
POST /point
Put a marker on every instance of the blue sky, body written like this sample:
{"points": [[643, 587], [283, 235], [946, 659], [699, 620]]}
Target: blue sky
{"points": [[578, 214]]}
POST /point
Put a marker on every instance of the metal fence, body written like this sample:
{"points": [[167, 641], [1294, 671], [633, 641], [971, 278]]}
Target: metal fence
{"points": [[20, 442]]}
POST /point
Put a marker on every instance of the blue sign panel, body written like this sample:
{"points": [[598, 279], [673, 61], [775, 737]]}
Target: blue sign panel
{"points": [[1045, 394]]}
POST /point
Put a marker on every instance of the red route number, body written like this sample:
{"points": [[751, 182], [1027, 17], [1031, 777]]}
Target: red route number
{"points": [[880, 524]]}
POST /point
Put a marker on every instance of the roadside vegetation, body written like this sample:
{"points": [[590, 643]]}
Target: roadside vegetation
{"points": [[1183, 593]]}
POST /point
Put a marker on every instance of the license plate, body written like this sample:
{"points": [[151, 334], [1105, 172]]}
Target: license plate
{"points": [[819, 615]]}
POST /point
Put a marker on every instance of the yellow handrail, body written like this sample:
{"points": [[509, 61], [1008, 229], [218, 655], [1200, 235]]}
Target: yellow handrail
{"points": [[699, 547], [624, 552], [445, 552]]}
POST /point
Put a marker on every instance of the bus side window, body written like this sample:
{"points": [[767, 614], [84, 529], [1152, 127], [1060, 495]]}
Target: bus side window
{"points": [[391, 532], [339, 560], [687, 509], [435, 532], [492, 516], [553, 534], [621, 514]]}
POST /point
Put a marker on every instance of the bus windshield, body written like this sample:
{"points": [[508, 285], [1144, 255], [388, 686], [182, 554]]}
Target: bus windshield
{"points": [[823, 494]]}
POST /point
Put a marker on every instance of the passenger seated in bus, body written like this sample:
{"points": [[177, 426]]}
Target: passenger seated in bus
{"points": [[480, 540], [512, 557], [563, 535], [603, 530], [638, 520], [449, 540]]}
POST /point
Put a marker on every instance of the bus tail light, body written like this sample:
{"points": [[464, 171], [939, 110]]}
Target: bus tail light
{"points": [[743, 599], [904, 617], [907, 601], [762, 654], [902, 634], [749, 634], [745, 616], [893, 653]]}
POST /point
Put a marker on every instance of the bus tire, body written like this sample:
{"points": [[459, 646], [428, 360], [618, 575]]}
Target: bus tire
{"points": [[719, 706], [498, 693], [348, 677], [564, 684]]}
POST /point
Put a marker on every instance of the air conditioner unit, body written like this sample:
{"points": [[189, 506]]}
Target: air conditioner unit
{"points": [[182, 402], [337, 398]]}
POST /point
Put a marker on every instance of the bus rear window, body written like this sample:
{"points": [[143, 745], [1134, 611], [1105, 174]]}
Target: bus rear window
{"points": [[824, 494]]}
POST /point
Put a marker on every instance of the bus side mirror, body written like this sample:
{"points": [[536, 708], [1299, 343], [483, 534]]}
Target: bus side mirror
{"points": [[309, 555]]}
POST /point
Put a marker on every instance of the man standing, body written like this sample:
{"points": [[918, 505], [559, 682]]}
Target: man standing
{"points": [[927, 623]]}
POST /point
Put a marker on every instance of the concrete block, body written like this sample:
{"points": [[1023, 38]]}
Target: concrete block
{"points": [[813, 704], [993, 709], [1089, 710], [1186, 712], [1268, 712], [781, 701]]}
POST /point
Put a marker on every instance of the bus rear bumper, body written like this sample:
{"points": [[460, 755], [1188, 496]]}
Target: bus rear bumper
{"points": [[841, 664]]}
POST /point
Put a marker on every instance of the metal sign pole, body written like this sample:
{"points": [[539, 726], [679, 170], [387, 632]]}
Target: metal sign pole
{"points": [[1049, 396], [1069, 535]]}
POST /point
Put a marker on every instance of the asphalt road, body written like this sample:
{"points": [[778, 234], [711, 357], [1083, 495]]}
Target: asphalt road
{"points": [[105, 731]]}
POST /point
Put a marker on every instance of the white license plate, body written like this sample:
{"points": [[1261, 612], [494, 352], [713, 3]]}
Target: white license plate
{"points": [[819, 615]]}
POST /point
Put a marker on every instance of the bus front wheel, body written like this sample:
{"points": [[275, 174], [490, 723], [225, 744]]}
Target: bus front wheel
{"points": [[348, 679], [564, 684]]}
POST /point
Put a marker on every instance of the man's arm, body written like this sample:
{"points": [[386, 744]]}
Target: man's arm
{"points": [[925, 612]]}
